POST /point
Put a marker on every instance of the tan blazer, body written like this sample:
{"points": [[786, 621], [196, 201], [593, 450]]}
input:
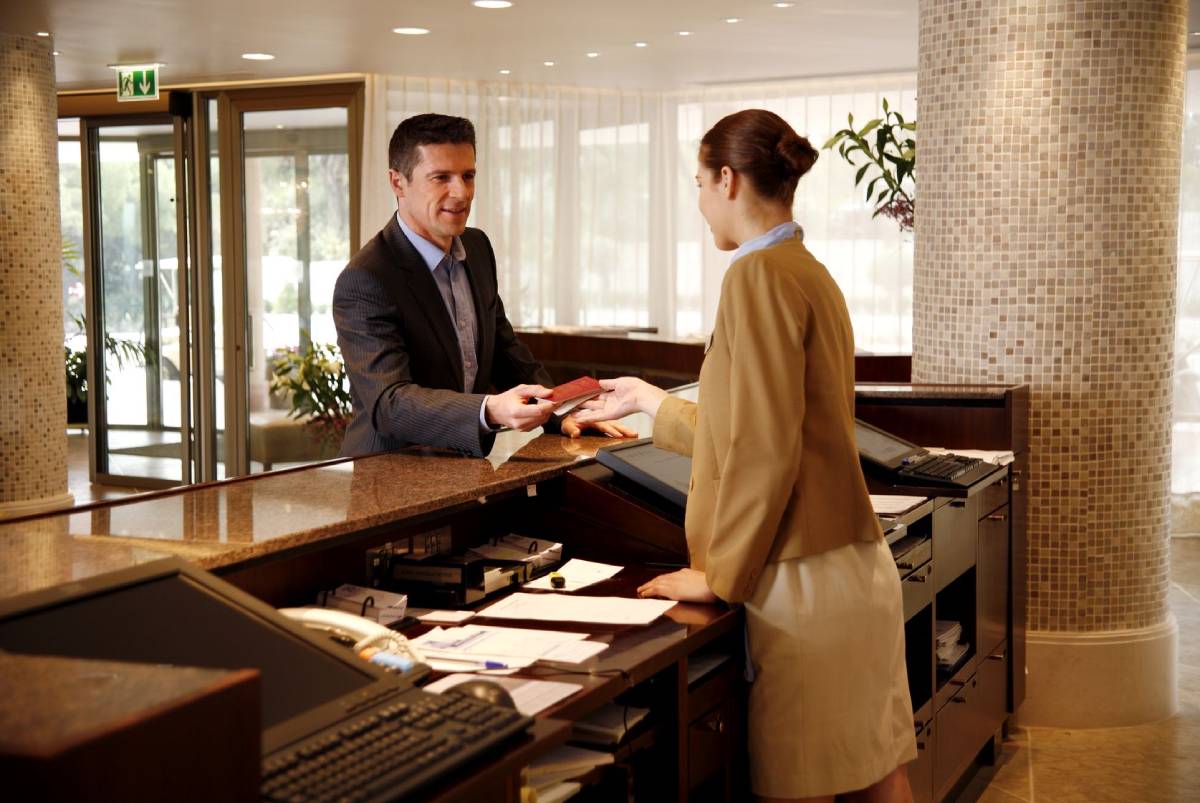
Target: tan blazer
{"points": [[775, 471]]}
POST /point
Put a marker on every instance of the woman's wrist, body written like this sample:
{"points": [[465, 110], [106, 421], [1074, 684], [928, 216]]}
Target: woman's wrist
{"points": [[650, 398]]}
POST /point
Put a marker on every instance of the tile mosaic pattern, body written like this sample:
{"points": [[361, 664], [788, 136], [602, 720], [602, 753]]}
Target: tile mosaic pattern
{"points": [[1046, 242], [33, 398]]}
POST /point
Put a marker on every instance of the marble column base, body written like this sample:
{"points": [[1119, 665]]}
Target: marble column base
{"points": [[1101, 680], [30, 507]]}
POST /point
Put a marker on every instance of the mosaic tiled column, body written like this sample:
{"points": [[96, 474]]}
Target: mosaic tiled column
{"points": [[33, 396], [1046, 242]]}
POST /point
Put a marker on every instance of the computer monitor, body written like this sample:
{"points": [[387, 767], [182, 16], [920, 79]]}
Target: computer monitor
{"points": [[883, 449], [169, 612], [665, 473]]}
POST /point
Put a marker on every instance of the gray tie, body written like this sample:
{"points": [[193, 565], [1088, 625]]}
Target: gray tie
{"points": [[455, 288]]}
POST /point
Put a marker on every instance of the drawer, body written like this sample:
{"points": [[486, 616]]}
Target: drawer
{"points": [[957, 740], [954, 529], [917, 587], [993, 496], [920, 769], [993, 689], [713, 741]]}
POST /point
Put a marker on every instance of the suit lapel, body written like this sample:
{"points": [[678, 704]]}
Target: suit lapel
{"points": [[425, 292]]}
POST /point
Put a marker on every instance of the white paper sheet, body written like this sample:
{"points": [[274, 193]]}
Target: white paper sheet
{"points": [[892, 505], [506, 645], [578, 574], [445, 617], [561, 608], [530, 696]]}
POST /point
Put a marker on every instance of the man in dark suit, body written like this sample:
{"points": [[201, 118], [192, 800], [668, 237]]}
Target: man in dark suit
{"points": [[420, 323]]}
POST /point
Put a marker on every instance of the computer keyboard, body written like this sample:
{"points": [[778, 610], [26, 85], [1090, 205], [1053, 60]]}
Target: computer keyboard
{"points": [[940, 468], [390, 751]]}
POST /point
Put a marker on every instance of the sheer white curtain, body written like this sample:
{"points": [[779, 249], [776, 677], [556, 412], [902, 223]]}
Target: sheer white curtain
{"points": [[1185, 475], [589, 198]]}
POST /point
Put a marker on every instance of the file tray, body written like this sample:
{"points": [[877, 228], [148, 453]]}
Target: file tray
{"points": [[665, 473]]}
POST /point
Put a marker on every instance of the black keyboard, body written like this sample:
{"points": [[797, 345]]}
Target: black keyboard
{"points": [[390, 751], [940, 468]]}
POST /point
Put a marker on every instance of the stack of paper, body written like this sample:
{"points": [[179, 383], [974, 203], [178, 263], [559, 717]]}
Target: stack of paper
{"points": [[530, 696], [511, 548], [598, 610], [608, 725], [893, 505], [949, 648], [561, 764], [475, 647]]}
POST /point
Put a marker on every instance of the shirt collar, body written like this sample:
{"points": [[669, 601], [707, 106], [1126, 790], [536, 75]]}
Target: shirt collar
{"points": [[430, 252], [784, 231]]}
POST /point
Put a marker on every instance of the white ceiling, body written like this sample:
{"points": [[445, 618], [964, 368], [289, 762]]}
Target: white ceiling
{"points": [[202, 40]]}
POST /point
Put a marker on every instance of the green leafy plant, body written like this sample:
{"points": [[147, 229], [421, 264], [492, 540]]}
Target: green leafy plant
{"points": [[887, 144], [318, 387], [123, 351]]}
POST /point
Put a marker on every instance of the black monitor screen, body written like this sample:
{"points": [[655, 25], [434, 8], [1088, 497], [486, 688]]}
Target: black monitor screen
{"points": [[879, 446], [175, 619]]}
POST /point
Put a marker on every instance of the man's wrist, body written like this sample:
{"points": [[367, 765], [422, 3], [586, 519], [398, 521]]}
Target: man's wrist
{"points": [[484, 423]]}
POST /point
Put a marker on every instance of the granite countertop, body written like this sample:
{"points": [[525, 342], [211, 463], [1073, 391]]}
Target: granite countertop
{"points": [[226, 523]]}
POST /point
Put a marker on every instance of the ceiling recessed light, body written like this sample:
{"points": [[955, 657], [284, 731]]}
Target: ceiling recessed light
{"points": [[783, 5], [43, 33], [685, 33], [491, 4], [593, 55], [732, 20], [258, 57], [411, 31], [279, 126], [506, 72], [639, 44], [56, 53], [548, 63]]}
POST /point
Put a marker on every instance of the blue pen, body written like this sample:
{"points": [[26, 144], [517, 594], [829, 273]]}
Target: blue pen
{"points": [[494, 665]]}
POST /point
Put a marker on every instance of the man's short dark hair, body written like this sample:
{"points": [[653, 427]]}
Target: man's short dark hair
{"points": [[426, 129]]}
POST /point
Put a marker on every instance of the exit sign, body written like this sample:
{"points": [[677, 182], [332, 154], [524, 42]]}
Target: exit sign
{"points": [[137, 83]]}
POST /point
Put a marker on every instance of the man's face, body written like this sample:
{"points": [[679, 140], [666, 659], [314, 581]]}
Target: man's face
{"points": [[437, 201]]}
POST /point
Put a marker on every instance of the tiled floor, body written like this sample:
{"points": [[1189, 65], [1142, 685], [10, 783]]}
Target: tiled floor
{"points": [[1156, 763]]}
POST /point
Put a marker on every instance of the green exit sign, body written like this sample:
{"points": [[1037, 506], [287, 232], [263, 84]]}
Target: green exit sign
{"points": [[137, 83]]}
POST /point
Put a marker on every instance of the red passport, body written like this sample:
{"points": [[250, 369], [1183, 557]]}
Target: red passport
{"points": [[570, 394]]}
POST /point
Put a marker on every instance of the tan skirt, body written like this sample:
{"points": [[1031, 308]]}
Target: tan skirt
{"points": [[829, 706]]}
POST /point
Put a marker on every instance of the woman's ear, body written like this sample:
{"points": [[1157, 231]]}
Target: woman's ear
{"points": [[727, 182]]}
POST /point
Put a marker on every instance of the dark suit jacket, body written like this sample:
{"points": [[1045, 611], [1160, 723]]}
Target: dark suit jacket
{"points": [[401, 348]]}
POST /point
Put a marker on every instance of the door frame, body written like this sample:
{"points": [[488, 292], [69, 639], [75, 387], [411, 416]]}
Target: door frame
{"points": [[98, 465], [231, 105]]}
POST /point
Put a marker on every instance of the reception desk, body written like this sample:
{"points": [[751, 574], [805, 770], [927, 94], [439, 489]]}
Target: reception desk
{"points": [[285, 536]]}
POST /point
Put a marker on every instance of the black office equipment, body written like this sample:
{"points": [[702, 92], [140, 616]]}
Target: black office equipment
{"points": [[325, 710], [665, 473], [906, 463]]}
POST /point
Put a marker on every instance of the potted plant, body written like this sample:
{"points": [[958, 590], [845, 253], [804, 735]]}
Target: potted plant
{"points": [[319, 390], [887, 144], [121, 350]]}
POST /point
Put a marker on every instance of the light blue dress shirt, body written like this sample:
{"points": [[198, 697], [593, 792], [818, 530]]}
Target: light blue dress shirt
{"points": [[784, 231], [454, 286]]}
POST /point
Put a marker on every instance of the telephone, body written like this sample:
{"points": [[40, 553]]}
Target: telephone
{"points": [[371, 640]]}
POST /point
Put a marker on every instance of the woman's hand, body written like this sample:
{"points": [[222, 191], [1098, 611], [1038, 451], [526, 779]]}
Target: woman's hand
{"points": [[685, 585], [572, 428], [621, 397]]}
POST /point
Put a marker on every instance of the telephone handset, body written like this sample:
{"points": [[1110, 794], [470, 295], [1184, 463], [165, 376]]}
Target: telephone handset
{"points": [[371, 640]]}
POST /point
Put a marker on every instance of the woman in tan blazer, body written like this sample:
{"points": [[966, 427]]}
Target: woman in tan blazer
{"points": [[778, 516]]}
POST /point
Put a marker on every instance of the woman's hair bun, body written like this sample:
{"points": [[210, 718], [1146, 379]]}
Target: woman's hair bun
{"points": [[797, 153]]}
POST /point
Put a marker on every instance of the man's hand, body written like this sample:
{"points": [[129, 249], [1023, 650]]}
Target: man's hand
{"points": [[573, 429], [685, 585], [623, 396], [512, 408]]}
